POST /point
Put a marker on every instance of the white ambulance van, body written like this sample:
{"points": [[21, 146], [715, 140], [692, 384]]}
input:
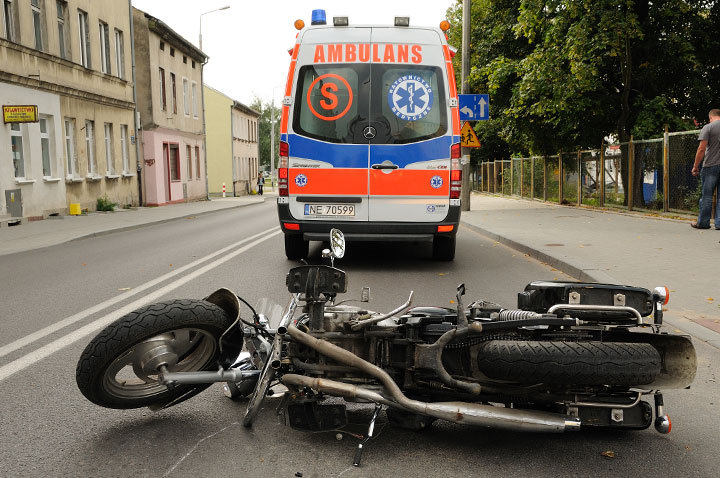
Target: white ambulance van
{"points": [[370, 136]]}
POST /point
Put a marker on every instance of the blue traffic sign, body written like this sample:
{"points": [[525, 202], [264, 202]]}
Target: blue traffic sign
{"points": [[474, 107]]}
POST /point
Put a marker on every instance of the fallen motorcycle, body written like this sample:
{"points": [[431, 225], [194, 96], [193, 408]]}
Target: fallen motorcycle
{"points": [[571, 355]]}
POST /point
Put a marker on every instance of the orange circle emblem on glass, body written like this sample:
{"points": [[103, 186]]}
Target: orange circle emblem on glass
{"points": [[330, 100]]}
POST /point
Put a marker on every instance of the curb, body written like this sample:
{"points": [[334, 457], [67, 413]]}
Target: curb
{"points": [[588, 273], [160, 221]]}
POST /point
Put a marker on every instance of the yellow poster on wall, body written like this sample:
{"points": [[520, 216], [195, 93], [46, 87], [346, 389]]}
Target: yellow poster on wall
{"points": [[20, 114]]}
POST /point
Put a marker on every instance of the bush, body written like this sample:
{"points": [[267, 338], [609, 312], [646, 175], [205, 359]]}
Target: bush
{"points": [[105, 204]]}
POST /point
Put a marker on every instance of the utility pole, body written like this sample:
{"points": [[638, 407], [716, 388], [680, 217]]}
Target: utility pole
{"points": [[465, 159]]}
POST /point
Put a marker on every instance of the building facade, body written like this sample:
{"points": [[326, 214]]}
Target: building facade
{"points": [[246, 150], [169, 70], [232, 145], [72, 60]]}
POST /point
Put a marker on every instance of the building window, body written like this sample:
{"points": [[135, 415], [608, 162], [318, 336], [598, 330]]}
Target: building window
{"points": [[172, 51], [193, 64], [173, 87], [36, 6], [104, 48], [163, 96], [174, 160], [162, 46], [119, 54], [184, 60], [9, 19], [124, 149], [195, 99], [186, 96], [90, 146], [188, 154], [16, 144], [62, 33], [109, 149], [84, 33], [46, 143], [197, 162], [70, 156]]}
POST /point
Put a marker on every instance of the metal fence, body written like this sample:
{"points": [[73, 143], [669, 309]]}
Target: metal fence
{"points": [[658, 170]]}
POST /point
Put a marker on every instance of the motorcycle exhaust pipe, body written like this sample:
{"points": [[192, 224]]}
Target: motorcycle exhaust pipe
{"points": [[458, 412]]}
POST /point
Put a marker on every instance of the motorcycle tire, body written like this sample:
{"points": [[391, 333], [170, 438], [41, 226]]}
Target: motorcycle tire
{"points": [[116, 368], [570, 363]]}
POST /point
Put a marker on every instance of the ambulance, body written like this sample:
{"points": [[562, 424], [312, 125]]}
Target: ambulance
{"points": [[370, 136]]}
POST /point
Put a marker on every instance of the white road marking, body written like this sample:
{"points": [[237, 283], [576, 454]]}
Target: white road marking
{"points": [[50, 329], [56, 345]]}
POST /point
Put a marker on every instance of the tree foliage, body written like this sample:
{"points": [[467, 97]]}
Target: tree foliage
{"points": [[562, 75], [268, 113]]}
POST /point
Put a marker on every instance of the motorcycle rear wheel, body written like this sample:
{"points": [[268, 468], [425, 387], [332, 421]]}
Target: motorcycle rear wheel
{"points": [[570, 363], [119, 367]]}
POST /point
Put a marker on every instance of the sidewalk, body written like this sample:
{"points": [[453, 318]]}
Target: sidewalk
{"points": [[599, 246], [49, 232]]}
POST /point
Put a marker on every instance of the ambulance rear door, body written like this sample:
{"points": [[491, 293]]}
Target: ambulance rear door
{"points": [[328, 152], [409, 172]]}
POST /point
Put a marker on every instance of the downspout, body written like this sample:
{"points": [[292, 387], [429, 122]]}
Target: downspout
{"points": [[232, 146], [136, 115], [202, 96]]}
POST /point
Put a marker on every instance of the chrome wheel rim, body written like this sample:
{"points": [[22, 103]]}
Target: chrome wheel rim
{"points": [[134, 373]]}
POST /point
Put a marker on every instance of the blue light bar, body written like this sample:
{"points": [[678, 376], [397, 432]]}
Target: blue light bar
{"points": [[318, 17]]}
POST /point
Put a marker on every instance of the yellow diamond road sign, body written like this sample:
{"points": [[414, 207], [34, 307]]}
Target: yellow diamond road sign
{"points": [[468, 138]]}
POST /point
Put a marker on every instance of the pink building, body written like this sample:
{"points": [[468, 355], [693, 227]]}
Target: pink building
{"points": [[169, 79]]}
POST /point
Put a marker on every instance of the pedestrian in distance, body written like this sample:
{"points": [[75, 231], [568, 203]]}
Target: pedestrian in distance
{"points": [[708, 154], [260, 183]]}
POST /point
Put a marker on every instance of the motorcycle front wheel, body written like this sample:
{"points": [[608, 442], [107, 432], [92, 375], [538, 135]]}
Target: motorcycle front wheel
{"points": [[119, 367]]}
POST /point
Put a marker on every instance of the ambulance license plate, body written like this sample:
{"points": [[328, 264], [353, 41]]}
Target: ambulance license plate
{"points": [[329, 209]]}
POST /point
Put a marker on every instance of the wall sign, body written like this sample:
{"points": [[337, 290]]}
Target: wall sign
{"points": [[20, 114]]}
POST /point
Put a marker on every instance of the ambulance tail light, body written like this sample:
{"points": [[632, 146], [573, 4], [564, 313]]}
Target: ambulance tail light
{"points": [[455, 172], [455, 151], [283, 169]]}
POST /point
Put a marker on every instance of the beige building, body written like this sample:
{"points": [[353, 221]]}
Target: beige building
{"points": [[169, 72], [246, 150], [73, 61], [232, 145]]}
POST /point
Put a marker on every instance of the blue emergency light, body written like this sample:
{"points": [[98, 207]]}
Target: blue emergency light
{"points": [[318, 17]]}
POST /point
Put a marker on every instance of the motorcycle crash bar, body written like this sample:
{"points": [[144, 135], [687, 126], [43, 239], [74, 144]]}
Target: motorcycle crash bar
{"points": [[512, 419]]}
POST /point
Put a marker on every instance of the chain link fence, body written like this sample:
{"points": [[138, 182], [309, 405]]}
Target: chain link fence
{"points": [[652, 175]]}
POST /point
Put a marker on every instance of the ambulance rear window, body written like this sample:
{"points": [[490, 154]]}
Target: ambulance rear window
{"points": [[411, 101], [334, 107]]}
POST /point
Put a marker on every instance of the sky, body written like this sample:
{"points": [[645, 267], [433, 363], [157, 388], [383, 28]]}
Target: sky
{"points": [[248, 43]]}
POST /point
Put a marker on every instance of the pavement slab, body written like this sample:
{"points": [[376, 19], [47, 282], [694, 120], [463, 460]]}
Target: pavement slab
{"points": [[606, 246]]}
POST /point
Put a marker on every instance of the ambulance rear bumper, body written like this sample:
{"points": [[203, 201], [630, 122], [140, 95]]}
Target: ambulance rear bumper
{"points": [[370, 231]]}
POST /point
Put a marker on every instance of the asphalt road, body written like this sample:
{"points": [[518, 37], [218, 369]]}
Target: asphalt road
{"points": [[54, 300]]}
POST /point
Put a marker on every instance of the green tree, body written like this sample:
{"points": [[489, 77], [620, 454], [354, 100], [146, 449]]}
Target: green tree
{"points": [[268, 113], [564, 74]]}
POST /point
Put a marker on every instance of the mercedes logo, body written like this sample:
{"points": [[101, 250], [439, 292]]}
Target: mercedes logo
{"points": [[369, 132]]}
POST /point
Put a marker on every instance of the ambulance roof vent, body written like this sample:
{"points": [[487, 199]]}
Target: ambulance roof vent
{"points": [[318, 17], [402, 21], [340, 21]]}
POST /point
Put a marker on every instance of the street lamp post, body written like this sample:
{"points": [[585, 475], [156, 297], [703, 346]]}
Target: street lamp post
{"points": [[202, 99], [201, 15]]}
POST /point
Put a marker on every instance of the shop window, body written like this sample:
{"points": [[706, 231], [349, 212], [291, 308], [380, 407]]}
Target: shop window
{"points": [[16, 149]]}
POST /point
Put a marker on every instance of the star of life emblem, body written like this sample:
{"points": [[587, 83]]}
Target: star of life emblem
{"points": [[436, 182], [410, 97], [301, 180]]}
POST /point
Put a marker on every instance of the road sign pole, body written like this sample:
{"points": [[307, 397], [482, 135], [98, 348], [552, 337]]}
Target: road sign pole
{"points": [[465, 191]]}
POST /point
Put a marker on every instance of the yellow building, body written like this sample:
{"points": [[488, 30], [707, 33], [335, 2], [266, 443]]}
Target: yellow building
{"points": [[72, 61], [232, 145]]}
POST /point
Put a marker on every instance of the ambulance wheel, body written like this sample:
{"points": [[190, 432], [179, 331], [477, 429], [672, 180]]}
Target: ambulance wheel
{"points": [[296, 247], [444, 248]]}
